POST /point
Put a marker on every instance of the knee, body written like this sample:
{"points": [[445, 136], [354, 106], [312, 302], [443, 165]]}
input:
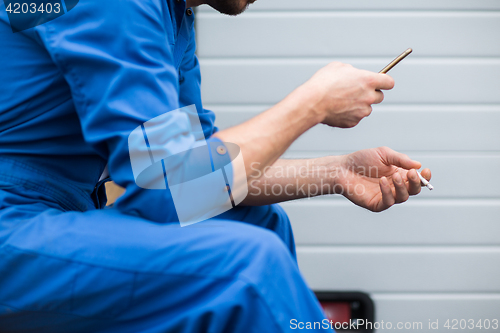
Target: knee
{"points": [[268, 243], [260, 250]]}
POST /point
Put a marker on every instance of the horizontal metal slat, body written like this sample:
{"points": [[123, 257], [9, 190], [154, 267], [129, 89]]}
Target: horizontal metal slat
{"points": [[418, 81], [471, 309], [401, 127], [401, 269], [428, 221], [339, 34]]}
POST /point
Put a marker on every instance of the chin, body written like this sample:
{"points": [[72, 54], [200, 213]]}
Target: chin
{"points": [[231, 7]]}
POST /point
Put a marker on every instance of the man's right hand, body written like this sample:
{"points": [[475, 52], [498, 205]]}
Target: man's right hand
{"points": [[343, 95]]}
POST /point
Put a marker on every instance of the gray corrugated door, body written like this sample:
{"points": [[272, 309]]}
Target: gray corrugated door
{"points": [[436, 257]]}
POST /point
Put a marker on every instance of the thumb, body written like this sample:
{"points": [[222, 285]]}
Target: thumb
{"points": [[401, 160]]}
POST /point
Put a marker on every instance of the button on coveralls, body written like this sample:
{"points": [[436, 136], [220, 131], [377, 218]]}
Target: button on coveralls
{"points": [[71, 91]]}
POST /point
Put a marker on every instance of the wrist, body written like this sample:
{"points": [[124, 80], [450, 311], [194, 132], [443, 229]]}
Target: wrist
{"points": [[337, 165], [306, 100], [327, 172]]}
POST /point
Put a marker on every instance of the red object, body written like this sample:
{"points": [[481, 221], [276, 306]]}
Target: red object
{"points": [[337, 311]]}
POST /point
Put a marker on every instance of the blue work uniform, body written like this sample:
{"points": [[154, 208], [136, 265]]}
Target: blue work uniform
{"points": [[71, 92]]}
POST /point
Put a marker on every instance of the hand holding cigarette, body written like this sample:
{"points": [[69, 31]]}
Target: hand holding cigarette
{"points": [[378, 178]]}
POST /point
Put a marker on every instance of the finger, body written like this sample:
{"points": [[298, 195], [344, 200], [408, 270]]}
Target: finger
{"points": [[401, 160], [400, 186], [379, 97], [426, 173], [414, 186], [384, 81], [387, 196]]}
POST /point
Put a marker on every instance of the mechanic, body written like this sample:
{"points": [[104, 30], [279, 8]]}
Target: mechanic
{"points": [[72, 91]]}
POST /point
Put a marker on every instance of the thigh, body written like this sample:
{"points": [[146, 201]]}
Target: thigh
{"points": [[271, 217], [102, 270]]}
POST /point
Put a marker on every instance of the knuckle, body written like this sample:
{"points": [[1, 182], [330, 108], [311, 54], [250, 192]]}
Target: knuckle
{"points": [[374, 98], [389, 205], [402, 198], [336, 64], [384, 149], [353, 123], [370, 80], [368, 111], [381, 97], [369, 99]]}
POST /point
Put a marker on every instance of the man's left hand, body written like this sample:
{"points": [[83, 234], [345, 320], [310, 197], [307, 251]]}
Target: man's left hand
{"points": [[378, 178]]}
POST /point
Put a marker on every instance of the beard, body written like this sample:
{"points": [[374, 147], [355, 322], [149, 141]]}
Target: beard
{"points": [[230, 7]]}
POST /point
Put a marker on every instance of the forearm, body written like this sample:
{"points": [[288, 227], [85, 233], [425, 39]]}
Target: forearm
{"points": [[264, 138], [337, 95], [293, 179]]}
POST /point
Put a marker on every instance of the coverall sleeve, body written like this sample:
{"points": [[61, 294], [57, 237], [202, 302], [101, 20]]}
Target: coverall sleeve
{"points": [[190, 87], [116, 57]]}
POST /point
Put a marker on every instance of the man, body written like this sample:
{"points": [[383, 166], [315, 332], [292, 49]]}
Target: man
{"points": [[72, 91]]}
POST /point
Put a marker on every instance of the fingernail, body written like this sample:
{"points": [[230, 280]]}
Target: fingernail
{"points": [[384, 181], [397, 178]]}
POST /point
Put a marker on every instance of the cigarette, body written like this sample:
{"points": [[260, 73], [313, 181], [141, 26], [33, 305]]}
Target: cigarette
{"points": [[396, 61], [425, 182]]}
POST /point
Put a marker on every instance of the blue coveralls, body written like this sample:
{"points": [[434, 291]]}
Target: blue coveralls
{"points": [[71, 91]]}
